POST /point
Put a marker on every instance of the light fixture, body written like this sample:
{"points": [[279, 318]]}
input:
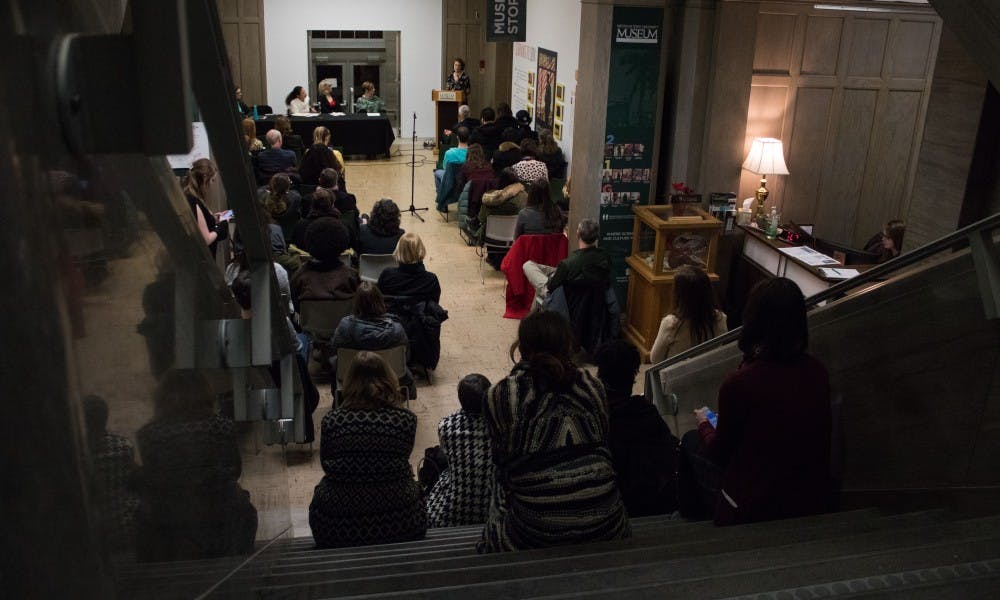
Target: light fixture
{"points": [[766, 157]]}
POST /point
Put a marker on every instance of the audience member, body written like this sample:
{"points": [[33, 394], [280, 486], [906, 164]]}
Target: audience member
{"points": [[368, 494], [297, 101], [328, 102], [410, 278], [289, 139], [200, 179], [275, 159], [324, 276], [368, 102], [888, 243], [369, 327], [476, 167], [508, 199], [320, 207], [191, 505], [643, 450], [540, 215], [542, 472], [112, 475], [488, 134], [461, 495], [529, 168], [282, 203], [695, 318], [768, 457], [320, 156], [588, 263], [509, 151], [453, 155], [524, 130], [551, 154], [382, 232], [250, 140]]}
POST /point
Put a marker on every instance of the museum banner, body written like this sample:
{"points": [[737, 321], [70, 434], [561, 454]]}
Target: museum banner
{"points": [[506, 20], [633, 85]]}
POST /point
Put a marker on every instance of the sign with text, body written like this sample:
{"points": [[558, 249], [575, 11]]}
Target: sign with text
{"points": [[633, 85], [506, 20]]}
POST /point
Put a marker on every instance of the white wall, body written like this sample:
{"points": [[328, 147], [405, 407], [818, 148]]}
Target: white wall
{"points": [[419, 21], [555, 25]]}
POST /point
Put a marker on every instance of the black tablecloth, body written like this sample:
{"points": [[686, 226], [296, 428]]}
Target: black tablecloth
{"points": [[356, 134]]}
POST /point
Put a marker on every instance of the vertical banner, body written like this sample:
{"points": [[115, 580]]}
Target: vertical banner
{"points": [[522, 91], [507, 20], [633, 85], [545, 92]]}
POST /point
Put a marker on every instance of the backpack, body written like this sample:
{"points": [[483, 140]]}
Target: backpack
{"points": [[430, 468]]}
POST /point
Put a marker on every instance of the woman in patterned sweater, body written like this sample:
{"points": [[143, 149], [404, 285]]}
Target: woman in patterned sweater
{"points": [[367, 494], [462, 493], [548, 426]]}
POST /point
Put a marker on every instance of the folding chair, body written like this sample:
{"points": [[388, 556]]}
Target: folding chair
{"points": [[499, 236], [370, 266], [319, 319], [395, 357]]}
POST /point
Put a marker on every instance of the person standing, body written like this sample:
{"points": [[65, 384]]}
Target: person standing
{"points": [[458, 79]]}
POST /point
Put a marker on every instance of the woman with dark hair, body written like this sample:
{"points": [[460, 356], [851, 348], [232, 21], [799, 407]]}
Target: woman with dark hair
{"points": [[543, 472], [322, 206], [508, 199], [289, 139], [370, 326], [325, 276], [551, 154], [199, 180], [529, 168], [368, 494], [887, 243], [458, 80], [476, 166], [282, 203], [694, 319], [382, 232], [320, 156], [505, 118], [768, 456], [297, 101], [540, 215]]}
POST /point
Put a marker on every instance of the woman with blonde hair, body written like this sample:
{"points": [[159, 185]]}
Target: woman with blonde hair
{"points": [[328, 103], [200, 179], [250, 139], [410, 278], [320, 156], [368, 494]]}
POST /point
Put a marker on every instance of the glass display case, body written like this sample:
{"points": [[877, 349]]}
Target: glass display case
{"points": [[665, 238]]}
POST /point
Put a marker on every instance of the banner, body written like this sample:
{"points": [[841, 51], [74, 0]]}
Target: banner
{"points": [[633, 85], [506, 20]]}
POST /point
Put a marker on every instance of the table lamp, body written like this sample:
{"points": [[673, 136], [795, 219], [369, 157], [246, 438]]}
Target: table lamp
{"points": [[766, 157]]}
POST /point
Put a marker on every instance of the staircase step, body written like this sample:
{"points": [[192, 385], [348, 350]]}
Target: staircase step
{"points": [[461, 571]]}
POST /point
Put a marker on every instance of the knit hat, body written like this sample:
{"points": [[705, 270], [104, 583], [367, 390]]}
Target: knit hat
{"points": [[523, 117]]}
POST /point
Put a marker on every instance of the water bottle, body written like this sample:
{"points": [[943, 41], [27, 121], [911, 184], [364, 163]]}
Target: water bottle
{"points": [[772, 224], [255, 117]]}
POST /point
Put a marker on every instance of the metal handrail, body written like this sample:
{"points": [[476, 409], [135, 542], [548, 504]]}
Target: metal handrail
{"points": [[653, 387]]}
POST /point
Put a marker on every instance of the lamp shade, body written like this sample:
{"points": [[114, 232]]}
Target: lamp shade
{"points": [[766, 157]]}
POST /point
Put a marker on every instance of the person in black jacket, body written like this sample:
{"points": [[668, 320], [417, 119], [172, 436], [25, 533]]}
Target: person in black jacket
{"points": [[489, 133], [410, 278], [505, 118], [643, 450]]}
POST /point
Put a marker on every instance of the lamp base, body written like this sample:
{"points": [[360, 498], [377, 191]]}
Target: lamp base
{"points": [[760, 217]]}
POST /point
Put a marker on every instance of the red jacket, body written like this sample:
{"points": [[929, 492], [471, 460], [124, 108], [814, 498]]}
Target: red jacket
{"points": [[547, 249]]}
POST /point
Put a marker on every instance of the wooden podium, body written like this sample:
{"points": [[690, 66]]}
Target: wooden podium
{"points": [[446, 103]]}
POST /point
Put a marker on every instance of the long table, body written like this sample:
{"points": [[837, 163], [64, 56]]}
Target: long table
{"points": [[356, 134]]}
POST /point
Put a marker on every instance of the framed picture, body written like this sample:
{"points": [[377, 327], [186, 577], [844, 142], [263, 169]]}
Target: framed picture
{"points": [[531, 109], [560, 92], [557, 131], [559, 112], [531, 96], [531, 78]]}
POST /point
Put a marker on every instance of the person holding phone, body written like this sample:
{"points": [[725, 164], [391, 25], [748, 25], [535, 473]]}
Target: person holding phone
{"points": [[212, 226], [768, 457]]}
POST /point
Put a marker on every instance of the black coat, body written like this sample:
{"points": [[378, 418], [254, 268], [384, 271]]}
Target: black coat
{"points": [[413, 281], [644, 453], [422, 321], [488, 136]]}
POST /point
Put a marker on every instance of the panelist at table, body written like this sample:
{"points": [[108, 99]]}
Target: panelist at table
{"points": [[328, 103], [297, 101], [369, 102]]}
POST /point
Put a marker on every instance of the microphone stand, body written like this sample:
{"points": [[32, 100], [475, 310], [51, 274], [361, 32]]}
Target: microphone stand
{"points": [[413, 210]]}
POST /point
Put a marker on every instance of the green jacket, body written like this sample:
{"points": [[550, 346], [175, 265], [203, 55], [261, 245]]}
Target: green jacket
{"points": [[591, 265]]}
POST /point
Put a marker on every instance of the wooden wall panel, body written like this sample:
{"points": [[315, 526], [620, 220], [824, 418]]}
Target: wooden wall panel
{"points": [[251, 9], [911, 49], [844, 173], [868, 46], [243, 31], [775, 35], [228, 10], [821, 51], [231, 34], [884, 194], [808, 147]]}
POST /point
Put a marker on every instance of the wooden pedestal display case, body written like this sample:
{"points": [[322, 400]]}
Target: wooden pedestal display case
{"points": [[665, 238]]}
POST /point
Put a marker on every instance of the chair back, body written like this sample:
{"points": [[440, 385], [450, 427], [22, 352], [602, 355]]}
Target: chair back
{"points": [[371, 266], [264, 109], [500, 228], [319, 318]]}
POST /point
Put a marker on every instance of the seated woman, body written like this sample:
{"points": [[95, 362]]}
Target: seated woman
{"points": [[282, 203], [461, 495], [643, 449], [888, 243], [695, 318], [540, 215], [368, 102], [191, 504], [328, 103], [508, 199], [551, 154], [529, 168], [320, 156], [297, 101], [250, 140], [369, 327], [382, 232], [368, 494], [410, 278], [544, 473], [476, 166], [509, 152], [320, 206], [769, 455], [289, 139], [324, 276]]}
